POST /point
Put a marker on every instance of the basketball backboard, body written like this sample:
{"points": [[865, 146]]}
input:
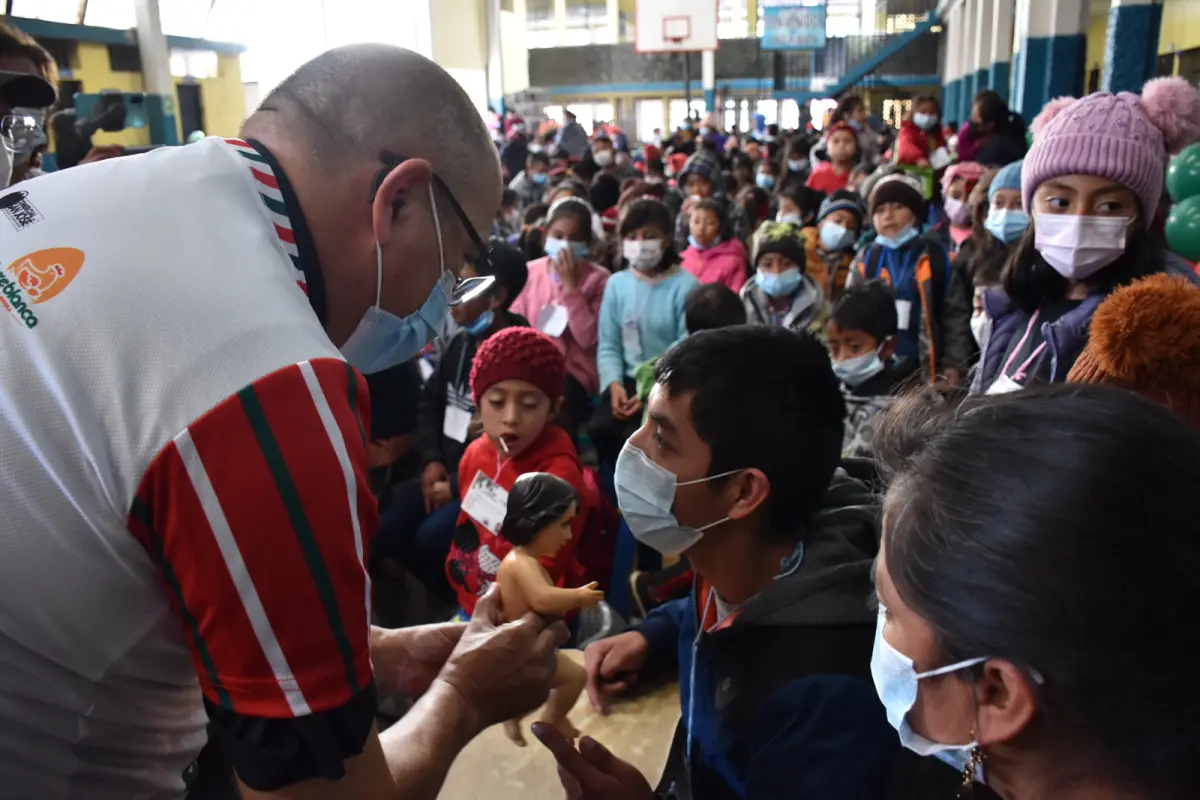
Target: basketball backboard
{"points": [[675, 26]]}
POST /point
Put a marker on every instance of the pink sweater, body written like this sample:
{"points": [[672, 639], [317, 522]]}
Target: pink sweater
{"points": [[723, 263], [578, 341]]}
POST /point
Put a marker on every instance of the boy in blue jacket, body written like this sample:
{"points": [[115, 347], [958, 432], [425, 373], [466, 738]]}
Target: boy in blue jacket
{"points": [[736, 468]]}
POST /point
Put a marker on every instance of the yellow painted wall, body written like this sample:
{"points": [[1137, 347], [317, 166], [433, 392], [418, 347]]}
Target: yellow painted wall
{"points": [[223, 97], [1097, 36], [1180, 30]]}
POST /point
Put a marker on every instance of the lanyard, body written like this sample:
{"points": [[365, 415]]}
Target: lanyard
{"points": [[687, 752], [1019, 375]]}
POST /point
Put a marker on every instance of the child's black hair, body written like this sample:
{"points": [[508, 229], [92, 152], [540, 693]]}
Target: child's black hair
{"points": [[868, 307], [655, 165], [579, 211], [809, 200], [655, 214], [718, 207], [540, 157], [536, 500], [535, 213], [508, 265], [605, 191], [508, 198], [713, 305]]}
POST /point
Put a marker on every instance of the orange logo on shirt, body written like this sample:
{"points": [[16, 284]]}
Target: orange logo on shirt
{"points": [[43, 274]]}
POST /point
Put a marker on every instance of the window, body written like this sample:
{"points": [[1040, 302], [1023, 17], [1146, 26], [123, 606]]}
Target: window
{"points": [[584, 114], [124, 58], [554, 114], [678, 112], [649, 116], [194, 63], [901, 23], [729, 119], [732, 19], [789, 114]]}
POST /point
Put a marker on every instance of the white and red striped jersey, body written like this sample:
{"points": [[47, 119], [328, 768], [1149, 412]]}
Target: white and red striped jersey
{"points": [[182, 474]]}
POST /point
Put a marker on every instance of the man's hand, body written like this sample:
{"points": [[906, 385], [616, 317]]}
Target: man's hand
{"points": [[504, 670], [612, 666], [407, 660], [434, 473], [592, 772]]}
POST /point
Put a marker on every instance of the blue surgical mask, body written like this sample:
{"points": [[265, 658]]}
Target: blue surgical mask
{"points": [[764, 181], [781, 284], [646, 497], [794, 219], [554, 247], [853, 123], [694, 242], [858, 370], [382, 340], [896, 682], [482, 324], [1006, 225], [538, 178], [902, 238], [925, 122], [797, 164], [835, 237]]}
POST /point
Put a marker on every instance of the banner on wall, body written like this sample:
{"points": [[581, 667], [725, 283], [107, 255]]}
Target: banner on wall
{"points": [[793, 25]]}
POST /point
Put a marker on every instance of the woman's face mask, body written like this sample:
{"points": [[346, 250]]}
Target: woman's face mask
{"points": [[1079, 246]]}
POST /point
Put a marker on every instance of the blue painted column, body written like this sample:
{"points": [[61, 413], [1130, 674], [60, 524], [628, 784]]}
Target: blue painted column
{"points": [[156, 74], [1000, 48], [1131, 53], [951, 84], [708, 79], [1053, 48]]}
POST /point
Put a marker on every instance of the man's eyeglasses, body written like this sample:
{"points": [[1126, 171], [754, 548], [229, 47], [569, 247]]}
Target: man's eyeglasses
{"points": [[463, 291], [16, 129]]}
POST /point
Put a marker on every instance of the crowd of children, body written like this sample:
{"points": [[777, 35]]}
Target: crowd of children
{"points": [[601, 356]]}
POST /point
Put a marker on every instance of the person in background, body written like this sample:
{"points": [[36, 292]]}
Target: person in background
{"points": [[861, 336], [712, 255], [797, 204], [753, 150], [921, 134], [772, 646], [1092, 180], [641, 315], [996, 132], [852, 111], [767, 177], [508, 216], [604, 195], [531, 183], [756, 205], [743, 171], [1021, 634], [839, 225], [517, 381], [611, 162], [515, 151], [415, 530], [858, 175], [20, 53], [1000, 222], [656, 171], [572, 137], [562, 297], [933, 309], [957, 182], [392, 450], [533, 231], [843, 151], [781, 293], [699, 180], [796, 165]]}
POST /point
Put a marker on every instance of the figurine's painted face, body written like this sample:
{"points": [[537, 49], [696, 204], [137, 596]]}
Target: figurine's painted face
{"points": [[553, 537], [514, 412]]}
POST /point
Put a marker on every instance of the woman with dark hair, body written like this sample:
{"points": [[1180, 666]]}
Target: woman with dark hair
{"points": [[852, 110], [995, 135], [1031, 631], [1092, 183]]}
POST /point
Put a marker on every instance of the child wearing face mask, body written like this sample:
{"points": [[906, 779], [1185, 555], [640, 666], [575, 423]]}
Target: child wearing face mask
{"points": [[861, 335], [1092, 183], [956, 224], [844, 152], [782, 293], [562, 299], [531, 183], [999, 223], [702, 178], [517, 380], [767, 177], [933, 305], [641, 315], [921, 135], [712, 255], [839, 225]]}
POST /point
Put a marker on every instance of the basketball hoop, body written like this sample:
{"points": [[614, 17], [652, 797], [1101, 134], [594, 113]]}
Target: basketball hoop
{"points": [[675, 26]]}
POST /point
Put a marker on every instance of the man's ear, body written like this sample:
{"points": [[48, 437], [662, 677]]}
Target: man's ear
{"points": [[499, 298], [888, 349], [405, 183], [752, 488]]}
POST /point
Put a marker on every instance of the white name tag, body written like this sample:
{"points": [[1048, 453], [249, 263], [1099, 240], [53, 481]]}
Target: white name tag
{"points": [[456, 423], [631, 339], [903, 314], [486, 502], [1004, 385], [552, 320], [940, 158]]}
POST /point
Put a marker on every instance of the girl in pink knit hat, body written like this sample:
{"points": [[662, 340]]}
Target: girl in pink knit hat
{"points": [[1091, 184]]}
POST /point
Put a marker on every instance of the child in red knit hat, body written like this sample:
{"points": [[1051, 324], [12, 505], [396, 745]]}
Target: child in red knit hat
{"points": [[518, 379]]}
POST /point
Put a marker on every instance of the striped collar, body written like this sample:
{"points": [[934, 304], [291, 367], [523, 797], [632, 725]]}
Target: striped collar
{"points": [[283, 209]]}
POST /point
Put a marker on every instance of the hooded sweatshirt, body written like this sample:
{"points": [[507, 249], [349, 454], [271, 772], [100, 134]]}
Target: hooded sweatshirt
{"points": [[476, 552], [777, 700], [808, 310], [724, 262]]}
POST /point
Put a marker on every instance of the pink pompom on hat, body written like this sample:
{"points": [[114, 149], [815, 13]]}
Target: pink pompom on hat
{"points": [[1123, 137]]}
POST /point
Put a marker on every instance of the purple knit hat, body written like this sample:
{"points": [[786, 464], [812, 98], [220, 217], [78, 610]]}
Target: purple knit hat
{"points": [[1122, 137]]}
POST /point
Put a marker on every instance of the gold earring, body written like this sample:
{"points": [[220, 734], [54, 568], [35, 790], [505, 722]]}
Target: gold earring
{"points": [[974, 763]]}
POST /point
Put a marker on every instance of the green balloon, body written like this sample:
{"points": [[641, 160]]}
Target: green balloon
{"points": [[1183, 176], [1183, 228]]}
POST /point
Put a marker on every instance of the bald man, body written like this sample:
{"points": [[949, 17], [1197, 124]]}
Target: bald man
{"points": [[183, 470]]}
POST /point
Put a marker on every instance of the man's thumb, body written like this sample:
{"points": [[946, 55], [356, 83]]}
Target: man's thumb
{"points": [[489, 607], [597, 754]]}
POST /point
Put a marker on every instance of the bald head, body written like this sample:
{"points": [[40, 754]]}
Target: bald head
{"points": [[351, 104]]}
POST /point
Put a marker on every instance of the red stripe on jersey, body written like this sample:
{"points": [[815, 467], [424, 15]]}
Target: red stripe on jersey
{"points": [[265, 178], [238, 142], [303, 286], [353, 423], [326, 507], [208, 591], [286, 234], [267, 538]]}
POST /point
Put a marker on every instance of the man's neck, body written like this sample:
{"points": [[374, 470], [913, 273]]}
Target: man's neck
{"points": [[738, 567]]}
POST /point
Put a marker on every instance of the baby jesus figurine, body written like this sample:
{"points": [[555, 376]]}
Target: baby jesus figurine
{"points": [[537, 522]]}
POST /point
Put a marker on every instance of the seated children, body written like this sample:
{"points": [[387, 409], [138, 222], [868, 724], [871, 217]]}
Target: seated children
{"points": [[1006, 220], [416, 528], [641, 315], [701, 178], [767, 177], [508, 217], [798, 205], [1000, 222], [933, 307], [781, 292], [843, 151], [840, 223], [862, 336], [517, 380], [530, 183], [957, 182], [735, 469], [712, 255], [562, 299]]}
